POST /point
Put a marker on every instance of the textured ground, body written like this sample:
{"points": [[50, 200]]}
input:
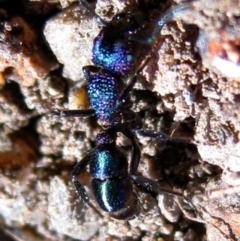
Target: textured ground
{"points": [[44, 45]]}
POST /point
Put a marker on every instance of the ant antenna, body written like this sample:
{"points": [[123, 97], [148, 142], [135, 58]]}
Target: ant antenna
{"points": [[166, 17], [132, 82], [100, 20]]}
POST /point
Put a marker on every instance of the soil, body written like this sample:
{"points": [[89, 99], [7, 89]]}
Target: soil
{"points": [[189, 89]]}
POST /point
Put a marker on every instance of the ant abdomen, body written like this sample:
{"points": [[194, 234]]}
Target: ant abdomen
{"points": [[108, 162], [110, 183], [116, 197]]}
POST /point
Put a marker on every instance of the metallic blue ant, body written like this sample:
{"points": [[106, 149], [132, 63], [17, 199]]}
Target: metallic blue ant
{"points": [[111, 178]]}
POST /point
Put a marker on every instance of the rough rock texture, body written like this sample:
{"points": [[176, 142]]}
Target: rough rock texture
{"points": [[181, 91], [22, 57]]}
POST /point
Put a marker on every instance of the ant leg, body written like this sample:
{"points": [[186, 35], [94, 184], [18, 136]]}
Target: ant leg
{"points": [[169, 15], [131, 83], [153, 186], [126, 90], [163, 135], [198, 217], [76, 171], [79, 187], [147, 183], [136, 153], [73, 113], [86, 5], [153, 134]]}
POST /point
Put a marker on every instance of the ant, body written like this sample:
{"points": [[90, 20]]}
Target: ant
{"points": [[112, 180]]}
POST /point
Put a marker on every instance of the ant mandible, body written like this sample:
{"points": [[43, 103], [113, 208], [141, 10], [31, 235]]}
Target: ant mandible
{"points": [[111, 178]]}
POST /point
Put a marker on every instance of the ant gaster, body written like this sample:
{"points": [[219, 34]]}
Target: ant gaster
{"points": [[111, 178]]}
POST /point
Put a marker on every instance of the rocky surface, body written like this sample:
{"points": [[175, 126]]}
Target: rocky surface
{"points": [[182, 90]]}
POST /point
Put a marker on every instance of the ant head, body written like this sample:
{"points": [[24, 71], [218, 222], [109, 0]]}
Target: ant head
{"points": [[114, 49]]}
